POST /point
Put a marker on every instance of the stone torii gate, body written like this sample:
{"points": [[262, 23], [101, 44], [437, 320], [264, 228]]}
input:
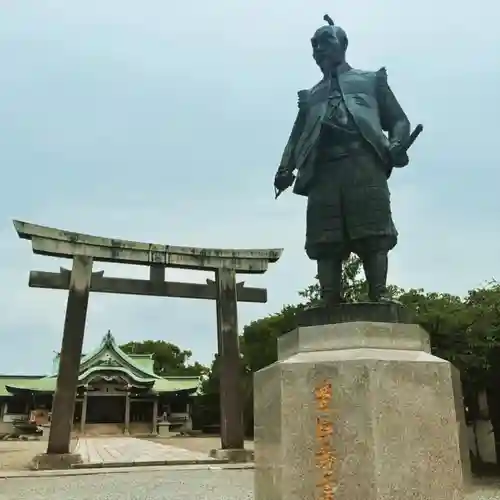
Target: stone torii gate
{"points": [[84, 249]]}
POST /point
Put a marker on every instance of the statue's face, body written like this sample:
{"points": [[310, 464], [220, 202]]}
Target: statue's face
{"points": [[328, 44]]}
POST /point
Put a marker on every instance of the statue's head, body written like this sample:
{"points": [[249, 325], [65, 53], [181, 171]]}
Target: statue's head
{"points": [[329, 44]]}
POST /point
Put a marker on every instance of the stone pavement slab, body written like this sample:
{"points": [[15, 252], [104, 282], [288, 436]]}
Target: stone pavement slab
{"points": [[97, 471], [129, 450]]}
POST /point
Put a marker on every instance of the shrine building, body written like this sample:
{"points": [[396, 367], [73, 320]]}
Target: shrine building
{"points": [[117, 393]]}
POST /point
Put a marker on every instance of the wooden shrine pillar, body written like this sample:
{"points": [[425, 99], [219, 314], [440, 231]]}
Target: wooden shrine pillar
{"points": [[83, 417], [232, 430], [155, 417], [126, 427], [71, 351]]}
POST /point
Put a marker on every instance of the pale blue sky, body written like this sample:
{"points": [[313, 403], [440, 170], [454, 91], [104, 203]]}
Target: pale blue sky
{"points": [[164, 122]]}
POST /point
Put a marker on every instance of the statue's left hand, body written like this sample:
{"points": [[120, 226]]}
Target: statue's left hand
{"points": [[302, 99], [399, 158]]}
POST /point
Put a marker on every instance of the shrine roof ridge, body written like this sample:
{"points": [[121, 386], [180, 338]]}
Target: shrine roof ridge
{"points": [[61, 243]]}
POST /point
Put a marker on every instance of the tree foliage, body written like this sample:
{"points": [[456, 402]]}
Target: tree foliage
{"points": [[463, 330], [169, 359], [353, 285], [259, 340]]}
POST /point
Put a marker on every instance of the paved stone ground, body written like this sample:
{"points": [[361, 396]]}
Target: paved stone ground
{"points": [[195, 483], [16, 455], [131, 450], [202, 444]]}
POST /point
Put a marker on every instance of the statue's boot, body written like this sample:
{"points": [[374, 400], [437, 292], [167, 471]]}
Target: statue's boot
{"points": [[375, 266], [330, 281]]}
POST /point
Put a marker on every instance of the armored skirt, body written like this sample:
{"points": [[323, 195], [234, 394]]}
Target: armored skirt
{"points": [[348, 207]]}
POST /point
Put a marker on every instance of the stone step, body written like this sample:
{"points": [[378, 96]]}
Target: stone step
{"points": [[135, 428], [102, 430]]}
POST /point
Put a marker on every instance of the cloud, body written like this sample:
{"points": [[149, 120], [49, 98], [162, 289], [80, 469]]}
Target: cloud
{"points": [[165, 123]]}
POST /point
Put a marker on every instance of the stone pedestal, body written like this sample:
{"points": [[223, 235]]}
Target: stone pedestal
{"points": [[164, 429], [45, 431], [387, 312], [356, 411]]}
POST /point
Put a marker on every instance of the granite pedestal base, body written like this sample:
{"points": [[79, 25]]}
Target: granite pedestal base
{"points": [[235, 456], [46, 461], [164, 429], [357, 411]]}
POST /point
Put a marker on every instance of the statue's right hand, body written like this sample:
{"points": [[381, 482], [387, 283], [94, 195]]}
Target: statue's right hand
{"points": [[283, 180]]}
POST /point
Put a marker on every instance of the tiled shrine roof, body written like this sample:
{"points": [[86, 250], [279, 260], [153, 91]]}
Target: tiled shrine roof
{"points": [[108, 358]]}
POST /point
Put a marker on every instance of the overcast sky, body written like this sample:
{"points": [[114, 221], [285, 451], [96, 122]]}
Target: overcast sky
{"points": [[164, 122]]}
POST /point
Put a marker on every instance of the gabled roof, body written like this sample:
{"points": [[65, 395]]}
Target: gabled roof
{"points": [[109, 354], [143, 360], [8, 380], [108, 357], [48, 384]]}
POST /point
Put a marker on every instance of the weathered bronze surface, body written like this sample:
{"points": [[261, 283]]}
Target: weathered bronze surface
{"points": [[349, 134], [386, 312]]}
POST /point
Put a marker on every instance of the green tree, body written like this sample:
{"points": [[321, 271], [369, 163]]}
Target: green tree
{"points": [[169, 359], [463, 330], [354, 284], [258, 347], [211, 383], [206, 409], [259, 340]]}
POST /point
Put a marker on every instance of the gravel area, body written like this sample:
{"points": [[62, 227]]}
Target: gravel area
{"points": [[16, 455], [171, 484], [483, 492], [168, 483]]}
